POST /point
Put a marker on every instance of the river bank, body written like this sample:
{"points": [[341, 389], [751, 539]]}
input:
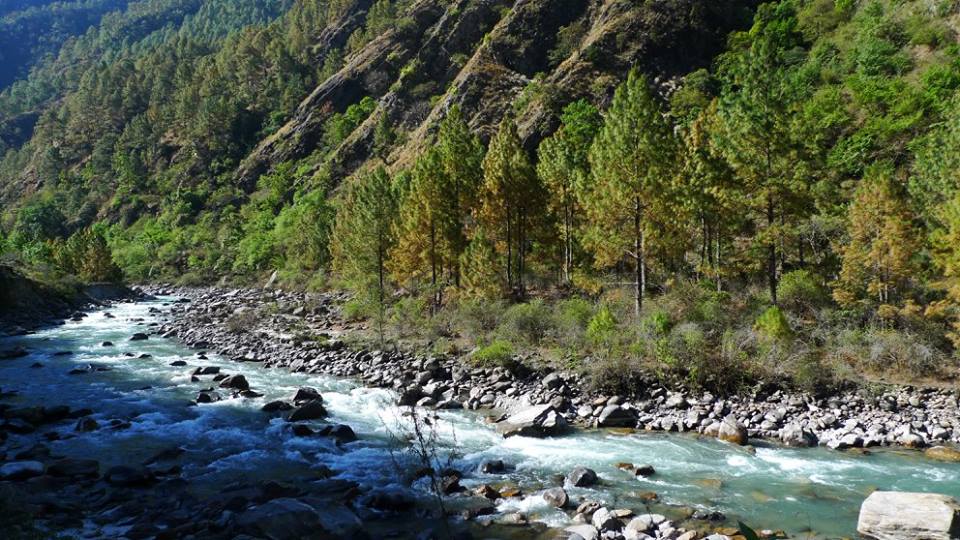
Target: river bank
{"points": [[299, 332], [229, 446]]}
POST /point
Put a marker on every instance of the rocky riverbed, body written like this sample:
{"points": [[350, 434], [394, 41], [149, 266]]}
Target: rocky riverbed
{"points": [[328, 461], [277, 327]]}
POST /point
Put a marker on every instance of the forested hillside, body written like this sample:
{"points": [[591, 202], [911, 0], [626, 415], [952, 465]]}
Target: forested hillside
{"points": [[719, 191]]}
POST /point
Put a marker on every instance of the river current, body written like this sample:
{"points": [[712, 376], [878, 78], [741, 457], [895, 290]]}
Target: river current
{"points": [[806, 492]]}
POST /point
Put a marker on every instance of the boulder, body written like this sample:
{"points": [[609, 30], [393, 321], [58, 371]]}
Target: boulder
{"points": [[341, 432], [536, 421], [69, 467], [291, 519], [582, 477], [556, 497], [732, 431], [943, 453], [615, 416], [236, 382], [307, 394], [895, 515], [604, 520], [585, 531], [492, 466], [20, 470], [794, 435], [276, 406], [139, 336], [124, 476], [311, 410]]}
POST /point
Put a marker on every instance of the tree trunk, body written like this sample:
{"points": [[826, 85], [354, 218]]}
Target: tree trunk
{"points": [[521, 241], [772, 251], [509, 249], [716, 262], [380, 285], [638, 246], [433, 266]]}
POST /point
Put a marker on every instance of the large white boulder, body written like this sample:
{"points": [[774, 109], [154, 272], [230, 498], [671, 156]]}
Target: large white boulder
{"points": [[536, 421], [896, 515]]}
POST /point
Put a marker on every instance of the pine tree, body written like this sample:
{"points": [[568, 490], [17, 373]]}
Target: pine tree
{"points": [[443, 188], [479, 265], [511, 201], [711, 193], [461, 157], [564, 168], [878, 255], [632, 160], [755, 107], [422, 251], [363, 236]]}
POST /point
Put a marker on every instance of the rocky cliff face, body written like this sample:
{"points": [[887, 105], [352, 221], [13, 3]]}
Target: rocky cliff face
{"points": [[492, 58]]}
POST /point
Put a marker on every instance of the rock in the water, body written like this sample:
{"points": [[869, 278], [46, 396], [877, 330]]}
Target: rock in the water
{"points": [[582, 477], [536, 421], [311, 410], [895, 515], [139, 336], [276, 406], [493, 466], [616, 416], [556, 497], [604, 520], [307, 394], [237, 382], [731, 430], [20, 470], [291, 519], [208, 397], [128, 476], [341, 432], [943, 453], [69, 467]]}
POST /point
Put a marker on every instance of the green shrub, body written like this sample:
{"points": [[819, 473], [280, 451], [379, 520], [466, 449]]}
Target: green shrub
{"points": [[408, 314], [800, 288], [529, 322], [497, 353], [772, 323], [355, 310], [602, 328], [573, 315], [477, 318], [812, 375], [657, 323]]}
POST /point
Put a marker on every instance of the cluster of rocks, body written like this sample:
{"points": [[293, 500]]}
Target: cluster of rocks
{"points": [[298, 331]]}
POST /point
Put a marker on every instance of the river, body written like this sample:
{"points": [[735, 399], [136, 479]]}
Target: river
{"points": [[796, 490]]}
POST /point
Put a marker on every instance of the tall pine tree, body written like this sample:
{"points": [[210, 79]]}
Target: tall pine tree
{"points": [[511, 201], [564, 168], [632, 160], [363, 236]]}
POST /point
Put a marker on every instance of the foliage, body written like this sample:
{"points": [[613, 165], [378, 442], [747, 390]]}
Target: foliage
{"points": [[632, 160], [773, 324], [497, 353]]}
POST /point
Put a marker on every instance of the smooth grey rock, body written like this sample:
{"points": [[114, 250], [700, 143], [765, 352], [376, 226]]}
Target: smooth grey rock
{"points": [[556, 497], [586, 531], [895, 515], [536, 421], [616, 416]]}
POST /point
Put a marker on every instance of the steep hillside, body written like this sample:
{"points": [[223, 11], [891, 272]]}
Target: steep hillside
{"points": [[414, 59], [491, 58]]}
